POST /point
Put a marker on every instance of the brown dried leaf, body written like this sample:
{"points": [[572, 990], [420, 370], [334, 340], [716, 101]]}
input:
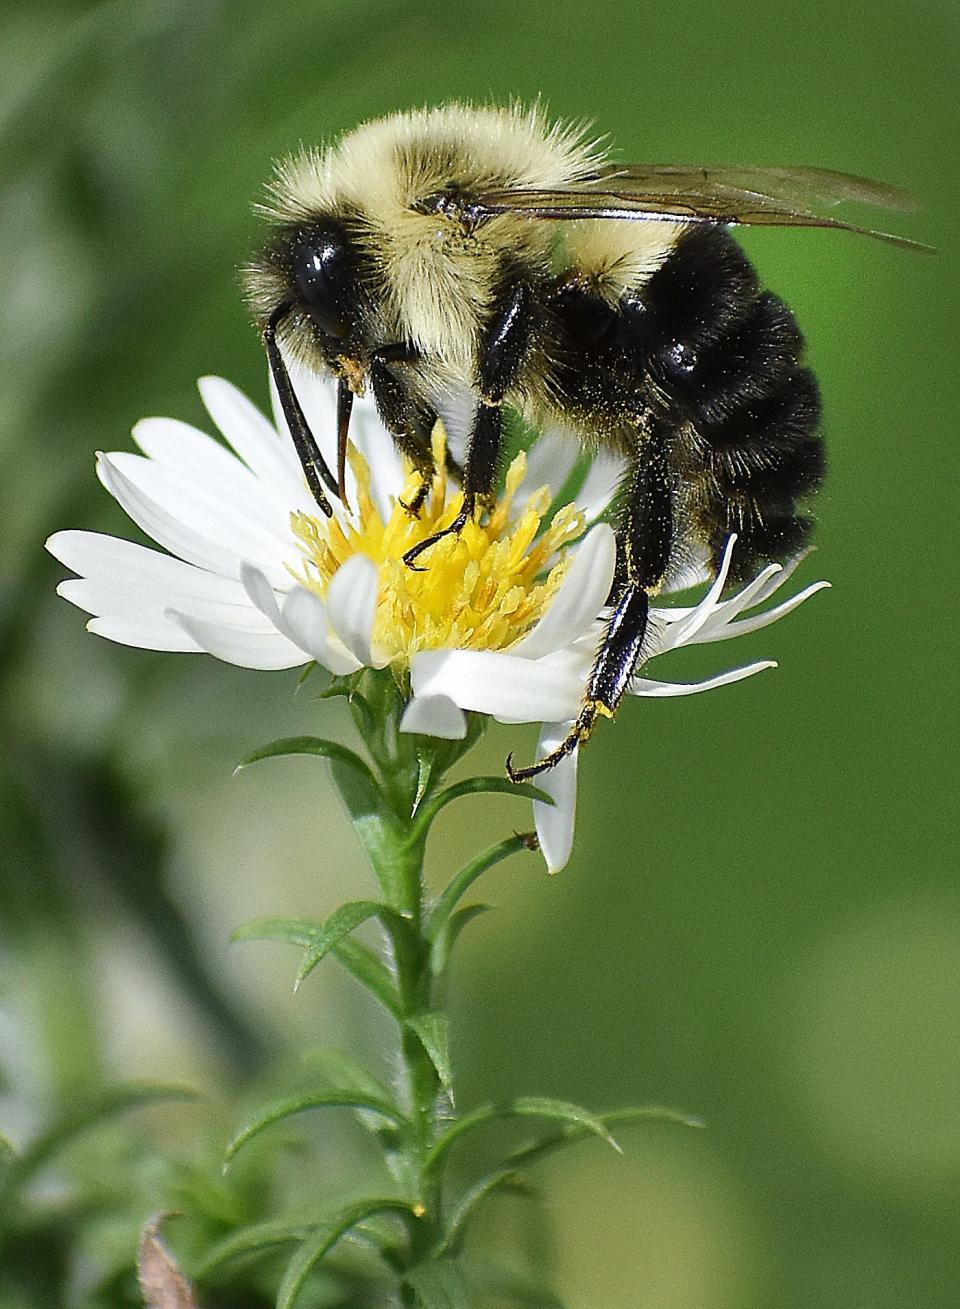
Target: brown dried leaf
{"points": [[162, 1283]]}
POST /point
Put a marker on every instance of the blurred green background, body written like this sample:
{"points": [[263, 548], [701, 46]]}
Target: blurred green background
{"points": [[761, 922]]}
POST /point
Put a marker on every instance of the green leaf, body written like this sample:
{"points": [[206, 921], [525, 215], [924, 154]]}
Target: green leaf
{"points": [[474, 786], [343, 1070], [290, 931], [524, 1106], [320, 938], [333, 1097], [500, 1179], [135, 1095], [545, 1145], [370, 972], [439, 1285], [433, 1030], [322, 1238], [449, 932], [255, 1239], [310, 745], [462, 882]]}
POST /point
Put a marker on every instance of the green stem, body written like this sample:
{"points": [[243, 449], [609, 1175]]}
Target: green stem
{"points": [[410, 770]]}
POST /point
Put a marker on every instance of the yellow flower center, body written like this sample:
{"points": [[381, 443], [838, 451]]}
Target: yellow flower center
{"points": [[481, 590]]}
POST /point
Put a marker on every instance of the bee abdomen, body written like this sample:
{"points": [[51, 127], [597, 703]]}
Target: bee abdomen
{"points": [[730, 368]]}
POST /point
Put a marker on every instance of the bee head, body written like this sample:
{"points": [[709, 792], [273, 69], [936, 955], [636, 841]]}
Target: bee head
{"points": [[324, 273]]}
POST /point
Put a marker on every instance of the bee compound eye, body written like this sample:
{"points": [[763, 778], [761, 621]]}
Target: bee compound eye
{"points": [[325, 277]]}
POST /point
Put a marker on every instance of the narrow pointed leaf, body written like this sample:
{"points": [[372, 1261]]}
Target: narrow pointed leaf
{"points": [[557, 1140], [439, 1286], [370, 972], [341, 1069], [255, 1239], [433, 1030], [448, 934], [501, 1179], [310, 745], [333, 1097], [475, 786], [322, 1239], [526, 1106], [460, 884], [340, 924], [289, 931]]}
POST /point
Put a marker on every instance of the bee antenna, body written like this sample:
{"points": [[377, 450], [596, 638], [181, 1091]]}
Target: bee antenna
{"points": [[312, 462]]}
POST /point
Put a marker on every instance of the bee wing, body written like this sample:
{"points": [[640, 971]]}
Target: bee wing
{"points": [[798, 187], [755, 197]]}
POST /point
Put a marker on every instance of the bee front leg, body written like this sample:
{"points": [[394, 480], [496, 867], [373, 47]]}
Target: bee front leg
{"points": [[501, 358], [644, 538], [409, 421]]}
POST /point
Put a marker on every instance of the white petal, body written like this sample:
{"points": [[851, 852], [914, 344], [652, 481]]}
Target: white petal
{"points": [[351, 607], [158, 633], [645, 686], [457, 407], [135, 571], [247, 649], [304, 620], [434, 715], [549, 462], [517, 690], [383, 459], [744, 625], [582, 594], [600, 484], [165, 528], [205, 462], [701, 613], [161, 499], [555, 823], [259, 592], [263, 449]]}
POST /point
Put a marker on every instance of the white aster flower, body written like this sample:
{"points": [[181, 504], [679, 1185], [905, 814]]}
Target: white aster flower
{"points": [[504, 620]]}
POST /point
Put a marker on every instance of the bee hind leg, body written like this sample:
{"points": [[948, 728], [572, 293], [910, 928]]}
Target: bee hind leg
{"points": [[644, 539]]}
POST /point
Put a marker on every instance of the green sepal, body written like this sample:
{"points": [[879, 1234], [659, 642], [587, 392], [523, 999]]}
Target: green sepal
{"points": [[135, 1095], [501, 1179], [439, 1285], [433, 1029], [323, 1237], [328, 1098], [472, 786], [369, 971], [524, 1106], [447, 936]]}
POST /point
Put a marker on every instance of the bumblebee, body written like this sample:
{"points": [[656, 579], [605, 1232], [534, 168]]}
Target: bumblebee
{"points": [[487, 251]]}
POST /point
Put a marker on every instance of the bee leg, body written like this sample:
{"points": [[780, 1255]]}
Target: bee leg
{"points": [[500, 359], [644, 537], [408, 420]]}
